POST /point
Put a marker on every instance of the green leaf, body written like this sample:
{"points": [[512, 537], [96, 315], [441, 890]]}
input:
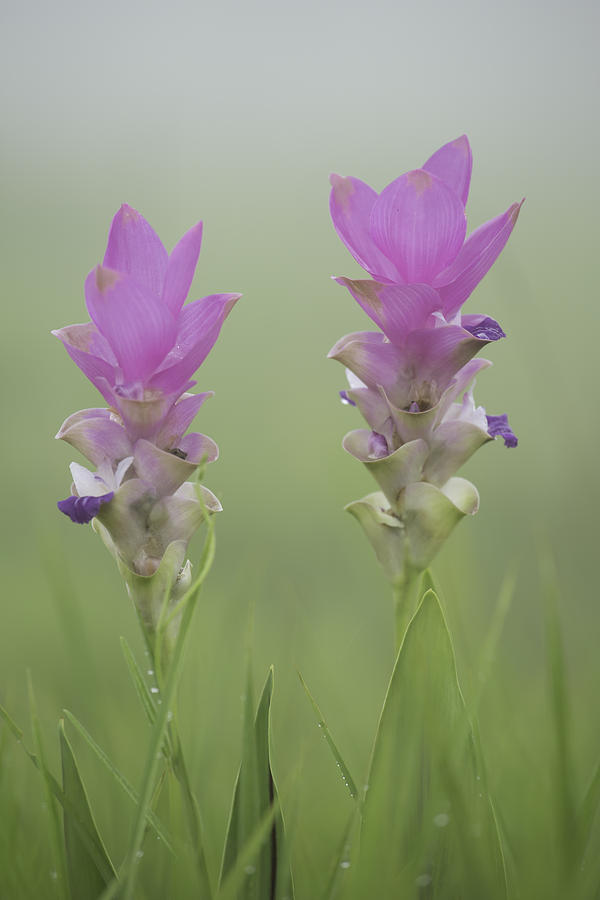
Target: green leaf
{"points": [[339, 761], [427, 818], [153, 820], [89, 872], [255, 800]]}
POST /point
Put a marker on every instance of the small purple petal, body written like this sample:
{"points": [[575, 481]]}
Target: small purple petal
{"points": [[346, 399], [83, 509], [483, 327], [498, 427], [378, 446]]}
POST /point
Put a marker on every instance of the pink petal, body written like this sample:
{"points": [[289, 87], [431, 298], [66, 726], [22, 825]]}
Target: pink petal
{"points": [[396, 309], [135, 249], [453, 164], [437, 354], [350, 203], [96, 434], [181, 268], [199, 326], [419, 223], [91, 352], [480, 251], [138, 327], [180, 418]]}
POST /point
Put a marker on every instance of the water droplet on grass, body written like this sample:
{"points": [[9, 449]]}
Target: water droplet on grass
{"points": [[441, 820], [345, 864], [423, 880], [249, 870], [154, 690]]}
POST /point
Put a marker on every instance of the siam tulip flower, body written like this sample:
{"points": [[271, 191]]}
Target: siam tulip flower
{"points": [[143, 344], [412, 379], [414, 231], [140, 350]]}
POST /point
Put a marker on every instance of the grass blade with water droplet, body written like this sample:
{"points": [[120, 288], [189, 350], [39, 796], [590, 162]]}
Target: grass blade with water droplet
{"points": [[153, 820], [139, 682], [339, 761]]}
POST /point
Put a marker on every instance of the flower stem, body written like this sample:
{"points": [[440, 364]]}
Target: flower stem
{"points": [[406, 594]]}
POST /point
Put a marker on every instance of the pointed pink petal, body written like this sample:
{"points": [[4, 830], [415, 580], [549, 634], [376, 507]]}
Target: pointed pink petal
{"points": [[419, 223], [397, 309], [181, 268], [199, 326], [179, 419], [453, 164], [350, 204], [480, 251], [90, 351], [135, 249], [96, 434], [138, 327], [373, 359]]}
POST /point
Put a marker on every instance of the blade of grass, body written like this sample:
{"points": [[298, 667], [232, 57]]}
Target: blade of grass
{"points": [[87, 877], [339, 761], [139, 682], [83, 831], [56, 835], [125, 785]]}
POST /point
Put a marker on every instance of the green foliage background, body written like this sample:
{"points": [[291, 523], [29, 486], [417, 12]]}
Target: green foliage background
{"points": [[236, 114]]}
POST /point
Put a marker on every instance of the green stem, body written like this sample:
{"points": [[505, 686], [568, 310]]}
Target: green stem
{"points": [[406, 595]]}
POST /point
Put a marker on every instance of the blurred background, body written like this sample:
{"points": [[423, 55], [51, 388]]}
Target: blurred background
{"points": [[236, 113]]}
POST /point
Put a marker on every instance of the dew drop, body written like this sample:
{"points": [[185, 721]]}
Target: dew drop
{"points": [[249, 870], [53, 875], [139, 854], [345, 864], [423, 880], [150, 671], [154, 690]]}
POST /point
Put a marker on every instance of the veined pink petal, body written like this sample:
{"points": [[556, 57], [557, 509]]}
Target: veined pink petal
{"points": [[453, 164], [480, 251], [199, 326], [135, 248], [179, 419], [397, 309], [419, 223], [350, 203], [181, 268], [137, 325], [373, 359], [89, 350]]}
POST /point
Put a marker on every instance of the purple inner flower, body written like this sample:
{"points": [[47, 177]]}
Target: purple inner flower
{"points": [[346, 399], [498, 427], [378, 446], [83, 509], [486, 330]]}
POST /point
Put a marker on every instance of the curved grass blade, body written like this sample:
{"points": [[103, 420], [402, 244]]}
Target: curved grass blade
{"points": [[86, 835], [153, 820], [88, 874], [339, 761], [426, 802], [267, 874]]}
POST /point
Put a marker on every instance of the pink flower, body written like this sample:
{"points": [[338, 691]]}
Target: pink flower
{"points": [[414, 231], [143, 345]]}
